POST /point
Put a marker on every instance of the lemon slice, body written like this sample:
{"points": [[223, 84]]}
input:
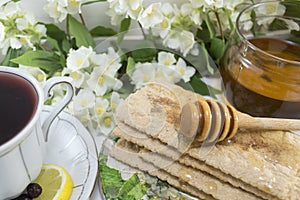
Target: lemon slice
{"points": [[56, 183]]}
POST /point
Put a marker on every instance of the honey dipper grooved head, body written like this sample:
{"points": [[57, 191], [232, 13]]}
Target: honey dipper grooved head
{"points": [[208, 120], [189, 119]]}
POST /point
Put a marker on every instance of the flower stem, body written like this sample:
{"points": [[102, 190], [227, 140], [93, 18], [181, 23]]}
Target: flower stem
{"points": [[82, 19], [142, 29], [220, 25]]}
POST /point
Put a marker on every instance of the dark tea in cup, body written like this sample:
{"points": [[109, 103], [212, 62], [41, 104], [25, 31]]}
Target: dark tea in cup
{"points": [[18, 101]]}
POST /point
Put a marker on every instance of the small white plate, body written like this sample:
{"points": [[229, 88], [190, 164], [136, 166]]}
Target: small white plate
{"points": [[71, 146]]}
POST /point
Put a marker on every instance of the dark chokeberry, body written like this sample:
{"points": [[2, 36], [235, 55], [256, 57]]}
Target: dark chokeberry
{"points": [[34, 190], [23, 197]]}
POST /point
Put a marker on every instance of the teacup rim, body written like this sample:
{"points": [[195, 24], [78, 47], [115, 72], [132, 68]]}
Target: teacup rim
{"points": [[24, 133]]}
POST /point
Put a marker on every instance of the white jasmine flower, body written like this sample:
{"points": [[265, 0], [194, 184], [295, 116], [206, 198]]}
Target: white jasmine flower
{"points": [[101, 106], [101, 82], [113, 62], [15, 43], [18, 29], [187, 42], [197, 3], [120, 9], [36, 72], [11, 9], [269, 9], [79, 59], [84, 99], [161, 29], [151, 16], [59, 9], [24, 23], [166, 58], [196, 17], [106, 123], [84, 116], [74, 6], [184, 71], [172, 40], [115, 101], [167, 9], [186, 9], [134, 7], [56, 10], [167, 73], [180, 40], [144, 73], [78, 77]]}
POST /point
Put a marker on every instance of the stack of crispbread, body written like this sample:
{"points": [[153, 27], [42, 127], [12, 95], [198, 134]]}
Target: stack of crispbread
{"points": [[252, 165]]}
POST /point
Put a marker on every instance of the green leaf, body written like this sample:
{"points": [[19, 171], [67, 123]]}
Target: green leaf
{"points": [[203, 33], [217, 48], [125, 24], [101, 31], [55, 32], [132, 189], [130, 66], [143, 55], [210, 26], [66, 46], [45, 60], [80, 32], [202, 88], [206, 57], [54, 43], [58, 38], [11, 54], [111, 181]]}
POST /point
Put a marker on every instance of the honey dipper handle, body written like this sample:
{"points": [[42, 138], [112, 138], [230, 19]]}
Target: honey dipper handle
{"points": [[249, 122]]}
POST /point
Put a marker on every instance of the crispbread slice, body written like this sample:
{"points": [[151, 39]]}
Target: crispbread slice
{"points": [[186, 175], [154, 145], [155, 110], [129, 156], [269, 161]]}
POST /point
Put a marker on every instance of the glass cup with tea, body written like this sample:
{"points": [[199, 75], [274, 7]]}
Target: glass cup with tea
{"points": [[261, 67], [22, 136]]}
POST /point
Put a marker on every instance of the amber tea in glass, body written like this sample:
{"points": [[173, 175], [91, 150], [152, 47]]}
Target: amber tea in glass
{"points": [[261, 68]]}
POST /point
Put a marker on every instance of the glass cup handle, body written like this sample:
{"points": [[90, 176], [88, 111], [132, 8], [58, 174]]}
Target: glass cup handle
{"points": [[61, 105]]}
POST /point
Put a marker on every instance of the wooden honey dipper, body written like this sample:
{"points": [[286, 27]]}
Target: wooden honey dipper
{"points": [[209, 120]]}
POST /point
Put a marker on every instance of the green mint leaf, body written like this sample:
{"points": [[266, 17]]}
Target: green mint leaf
{"points": [[111, 181], [11, 54], [132, 189], [45, 60], [101, 31], [125, 24], [80, 32], [130, 66]]}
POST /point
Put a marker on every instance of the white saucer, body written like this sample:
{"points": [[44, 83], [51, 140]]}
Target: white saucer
{"points": [[71, 146]]}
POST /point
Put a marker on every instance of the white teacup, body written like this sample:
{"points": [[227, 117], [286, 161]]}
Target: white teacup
{"points": [[22, 136]]}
